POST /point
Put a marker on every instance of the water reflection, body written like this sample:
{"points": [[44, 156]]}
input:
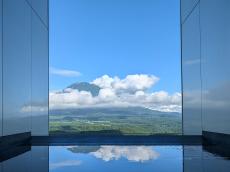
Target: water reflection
{"points": [[108, 153], [114, 158], [131, 153], [62, 164]]}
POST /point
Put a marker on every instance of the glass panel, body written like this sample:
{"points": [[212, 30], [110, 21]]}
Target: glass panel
{"points": [[16, 67], [39, 77], [186, 8], [41, 8], [191, 75], [215, 24], [0, 68]]}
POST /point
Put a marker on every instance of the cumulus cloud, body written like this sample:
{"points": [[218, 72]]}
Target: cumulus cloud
{"points": [[131, 83], [66, 163], [115, 92], [64, 72], [131, 153]]}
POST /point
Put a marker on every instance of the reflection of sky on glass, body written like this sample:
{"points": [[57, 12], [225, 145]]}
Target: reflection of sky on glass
{"points": [[115, 158]]}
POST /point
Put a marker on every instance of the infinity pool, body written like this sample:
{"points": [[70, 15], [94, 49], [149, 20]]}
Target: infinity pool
{"points": [[115, 159]]}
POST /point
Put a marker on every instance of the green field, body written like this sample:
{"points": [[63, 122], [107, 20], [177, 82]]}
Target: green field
{"points": [[114, 121]]}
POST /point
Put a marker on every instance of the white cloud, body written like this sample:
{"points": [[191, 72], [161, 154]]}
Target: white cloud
{"points": [[116, 92], [131, 153], [104, 82], [64, 72], [66, 163], [131, 83]]}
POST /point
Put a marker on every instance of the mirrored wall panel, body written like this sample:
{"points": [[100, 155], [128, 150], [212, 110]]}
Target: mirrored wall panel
{"points": [[191, 74], [24, 68], [205, 61], [0, 68], [40, 7], [215, 34], [39, 103], [187, 6], [16, 67]]}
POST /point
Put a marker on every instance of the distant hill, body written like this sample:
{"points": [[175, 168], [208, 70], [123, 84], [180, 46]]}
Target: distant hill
{"points": [[113, 111], [85, 86], [113, 121]]}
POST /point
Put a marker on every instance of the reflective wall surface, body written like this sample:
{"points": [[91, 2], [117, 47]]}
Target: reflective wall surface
{"points": [[0, 68], [205, 64], [24, 67], [41, 9], [39, 104], [16, 66], [187, 7], [117, 158], [215, 35], [191, 74]]}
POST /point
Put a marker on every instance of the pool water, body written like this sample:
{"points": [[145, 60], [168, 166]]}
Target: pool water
{"points": [[116, 158], [108, 158]]}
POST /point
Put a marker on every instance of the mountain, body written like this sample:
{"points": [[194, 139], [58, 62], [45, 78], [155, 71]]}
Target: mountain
{"points": [[85, 86], [112, 111], [113, 121]]}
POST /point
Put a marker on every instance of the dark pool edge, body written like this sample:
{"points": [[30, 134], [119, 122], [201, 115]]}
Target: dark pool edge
{"points": [[207, 138], [116, 140], [13, 145], [15, 140], [214, 138], [13, 151]]}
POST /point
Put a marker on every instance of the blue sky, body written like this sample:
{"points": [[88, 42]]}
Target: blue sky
{"points": [[117, 38]]}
